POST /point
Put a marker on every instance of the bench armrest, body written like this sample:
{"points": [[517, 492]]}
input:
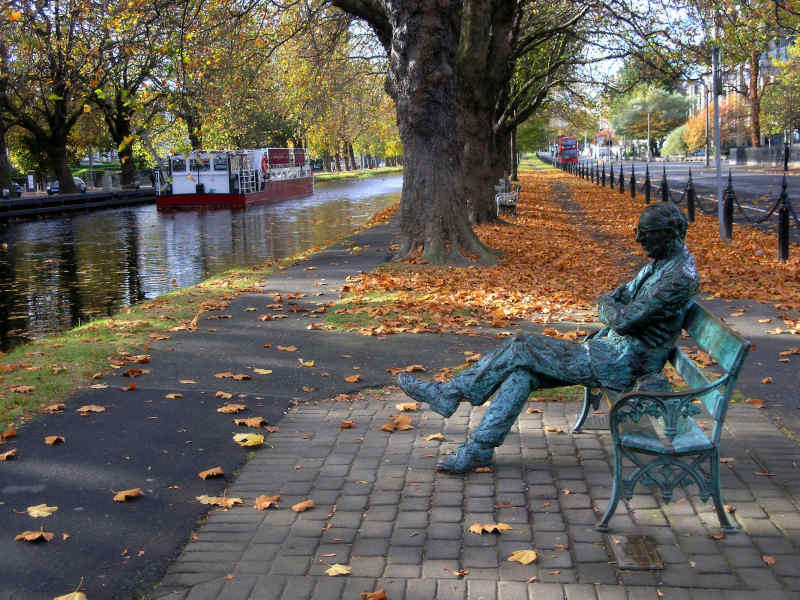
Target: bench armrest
{"points": [[670, 406]]}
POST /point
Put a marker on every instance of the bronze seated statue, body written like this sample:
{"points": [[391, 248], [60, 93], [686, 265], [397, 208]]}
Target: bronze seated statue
{"points": [[642, 321]]}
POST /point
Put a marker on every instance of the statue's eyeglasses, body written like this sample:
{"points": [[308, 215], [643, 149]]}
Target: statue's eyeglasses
{"points": [[642, 232]]}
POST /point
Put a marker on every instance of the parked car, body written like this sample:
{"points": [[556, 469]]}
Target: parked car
{"points": [[80, 184]]}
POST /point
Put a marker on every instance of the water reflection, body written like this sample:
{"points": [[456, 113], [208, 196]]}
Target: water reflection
{"points": [[56, 273]]}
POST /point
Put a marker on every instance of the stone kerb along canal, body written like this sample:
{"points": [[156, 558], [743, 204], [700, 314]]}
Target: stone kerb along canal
{"points": [[59, 272]]}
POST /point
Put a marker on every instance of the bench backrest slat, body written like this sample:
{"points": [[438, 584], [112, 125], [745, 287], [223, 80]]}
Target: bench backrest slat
{"points": [[725, 346], [695, 378], [713, 337]]}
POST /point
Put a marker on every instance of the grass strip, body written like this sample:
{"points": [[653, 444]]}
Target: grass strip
{"points": [[360, 174]]}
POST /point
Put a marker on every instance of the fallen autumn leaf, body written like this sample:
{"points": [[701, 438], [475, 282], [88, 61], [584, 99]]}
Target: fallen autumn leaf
{"points": [[221, 501], [303, 506], [336, 569], [126, 495], [248, 439], [524, 557], [265, 502], [40, 511], [212, 472]]}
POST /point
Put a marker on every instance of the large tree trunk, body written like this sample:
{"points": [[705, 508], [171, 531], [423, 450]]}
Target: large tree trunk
{"points": [[513, 147], [123, 138], [421, 80], [754, 99], [5, 164], [482, 63], [193, 129], [57, 153], [446, 57], [352, 155], [476, 166]]}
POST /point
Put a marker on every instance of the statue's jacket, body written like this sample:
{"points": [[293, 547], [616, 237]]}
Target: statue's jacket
{"points": [[643, 321]]}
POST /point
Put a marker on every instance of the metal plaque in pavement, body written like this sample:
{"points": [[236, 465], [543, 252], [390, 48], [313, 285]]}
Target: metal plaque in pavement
{"points": [[634, 552]]}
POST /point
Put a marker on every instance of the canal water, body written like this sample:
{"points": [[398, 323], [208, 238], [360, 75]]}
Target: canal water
{"points": [[59, 272]]}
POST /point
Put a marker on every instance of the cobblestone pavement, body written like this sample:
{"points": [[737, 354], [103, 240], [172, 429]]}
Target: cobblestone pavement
{"points": [[381, 509]]}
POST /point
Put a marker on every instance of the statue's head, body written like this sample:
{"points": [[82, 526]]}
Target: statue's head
{"points": [[661, 229]]}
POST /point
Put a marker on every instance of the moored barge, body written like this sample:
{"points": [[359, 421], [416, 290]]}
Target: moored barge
{"points": [[235, 178]]}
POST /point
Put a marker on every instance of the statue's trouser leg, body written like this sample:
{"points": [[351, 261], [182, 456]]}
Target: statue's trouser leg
{"points": [[505, 408], [480, 381], [547, 359]]}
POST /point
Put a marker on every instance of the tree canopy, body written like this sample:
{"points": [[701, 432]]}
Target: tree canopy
{"points": [[143, 77]]}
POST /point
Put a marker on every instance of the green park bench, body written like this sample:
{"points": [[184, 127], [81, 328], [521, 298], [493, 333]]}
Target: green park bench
{"points": [[653, 427]]}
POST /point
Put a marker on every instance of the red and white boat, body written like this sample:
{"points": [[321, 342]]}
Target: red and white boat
{"points": [[235, 178]]}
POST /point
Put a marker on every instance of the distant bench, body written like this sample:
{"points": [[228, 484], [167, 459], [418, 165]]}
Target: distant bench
{"points": [[653, 427], [506, 201]]}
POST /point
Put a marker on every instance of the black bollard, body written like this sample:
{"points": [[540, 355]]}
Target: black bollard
{"points": [[591, 172], [729, 197], [611, 177], [691, 197], [633, 180], [647, 184], [621, 179], [786, 151], [665, 195], [604, 174], [783, 224]]}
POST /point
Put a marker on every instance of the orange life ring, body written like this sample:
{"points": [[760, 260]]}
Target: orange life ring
{"points": [[264, 163]]}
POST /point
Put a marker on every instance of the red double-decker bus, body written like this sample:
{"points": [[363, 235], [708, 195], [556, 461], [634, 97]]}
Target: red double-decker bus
{"points": [[567, 150]]}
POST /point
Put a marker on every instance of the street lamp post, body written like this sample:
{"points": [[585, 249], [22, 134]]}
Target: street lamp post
{"points": [[723, 228], [708, 140]]}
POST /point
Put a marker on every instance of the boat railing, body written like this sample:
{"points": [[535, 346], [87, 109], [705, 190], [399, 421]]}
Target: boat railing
{"points": [[248, 181]]}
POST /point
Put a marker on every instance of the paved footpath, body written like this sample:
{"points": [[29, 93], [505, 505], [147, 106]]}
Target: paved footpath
{"points": [[382, 510]]}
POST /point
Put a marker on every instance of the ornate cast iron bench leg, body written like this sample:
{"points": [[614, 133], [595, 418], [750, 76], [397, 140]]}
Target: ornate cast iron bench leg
{"points": [[716, 495], [616, 493], [592, 399]]}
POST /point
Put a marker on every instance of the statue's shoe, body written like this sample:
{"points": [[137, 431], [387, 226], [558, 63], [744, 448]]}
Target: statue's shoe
{"points": [[468, 457], [441, 401]]}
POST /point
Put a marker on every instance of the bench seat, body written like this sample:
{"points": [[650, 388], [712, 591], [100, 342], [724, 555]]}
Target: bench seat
{"points": [[690, 438]]}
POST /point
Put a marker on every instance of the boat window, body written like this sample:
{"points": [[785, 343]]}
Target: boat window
{"points": [[201, 163], [239, 161], [178, 165], [221, 162]]}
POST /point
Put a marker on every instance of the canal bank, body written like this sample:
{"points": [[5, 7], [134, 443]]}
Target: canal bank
{"points": [[60, 272], [42, 206]]}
